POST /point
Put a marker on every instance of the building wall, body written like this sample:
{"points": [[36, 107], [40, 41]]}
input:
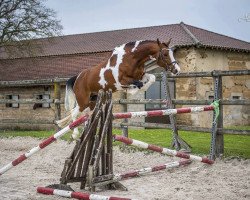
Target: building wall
{"points": [[190, 59], [201, 88], [25, 117]]}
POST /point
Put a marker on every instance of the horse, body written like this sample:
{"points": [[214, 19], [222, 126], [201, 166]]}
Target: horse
{"points": [[124, 70]]}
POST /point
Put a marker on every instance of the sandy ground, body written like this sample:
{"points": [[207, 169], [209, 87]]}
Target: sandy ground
{"points": [[226, 179]]}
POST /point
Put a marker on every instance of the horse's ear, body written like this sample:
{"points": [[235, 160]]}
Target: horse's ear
{"points": [[158, 42], [167, 43]]}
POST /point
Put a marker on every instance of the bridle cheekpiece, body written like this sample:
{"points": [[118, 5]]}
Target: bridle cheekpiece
{"points": [[162, 56]]}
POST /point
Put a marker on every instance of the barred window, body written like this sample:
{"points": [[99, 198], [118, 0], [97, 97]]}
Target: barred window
{"points": [[12, 97]]}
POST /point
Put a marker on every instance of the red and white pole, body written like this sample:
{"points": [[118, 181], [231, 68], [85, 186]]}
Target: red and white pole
{"points": [[43, 144], [82, 119], [170, 152], [76, 195], [162, 112], [147, 170]]}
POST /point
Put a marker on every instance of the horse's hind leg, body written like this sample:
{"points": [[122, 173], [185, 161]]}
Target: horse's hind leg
{"points": [[74, 115], [82, 108]]}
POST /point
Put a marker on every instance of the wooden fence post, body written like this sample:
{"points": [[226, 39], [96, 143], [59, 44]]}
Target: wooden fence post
{"points": [[124, 109], [219, 136], [217, 141], [57, 97]]}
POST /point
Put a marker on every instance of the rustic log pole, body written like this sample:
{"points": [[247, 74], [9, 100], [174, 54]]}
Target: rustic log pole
{"points": [[83, 143], [102, 139]]}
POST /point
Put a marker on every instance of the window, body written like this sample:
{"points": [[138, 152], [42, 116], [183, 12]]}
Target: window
{"points": [[236, 97], [12, 97], [42, 105], [154, 92], [157, 91]]}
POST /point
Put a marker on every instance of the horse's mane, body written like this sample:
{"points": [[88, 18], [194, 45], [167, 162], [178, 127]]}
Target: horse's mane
{"points": [[131, 44]]}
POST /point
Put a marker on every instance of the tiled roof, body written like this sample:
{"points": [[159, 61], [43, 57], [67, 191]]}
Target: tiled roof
{"points": [[48, 67], [67, 55], [181, 34]]}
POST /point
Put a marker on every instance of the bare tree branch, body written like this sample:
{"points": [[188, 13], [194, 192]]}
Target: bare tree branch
{"points": [[25, 20]]}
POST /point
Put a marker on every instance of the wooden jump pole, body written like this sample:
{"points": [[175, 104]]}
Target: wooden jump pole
{"points": [[76, 195], [161, 149], [163, 112], [43, 144], [147, 170], [82, 119]]}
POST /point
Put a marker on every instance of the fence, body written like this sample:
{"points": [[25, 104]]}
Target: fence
{"points": [[218, 94]]}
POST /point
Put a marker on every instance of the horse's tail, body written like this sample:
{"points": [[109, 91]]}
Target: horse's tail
{"points": [[69, 102], [70, 98]]}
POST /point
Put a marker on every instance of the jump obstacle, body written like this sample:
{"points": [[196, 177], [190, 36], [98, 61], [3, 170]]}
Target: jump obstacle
{"points": [[43, 144], [91, 162], [97, 170], [147, 170], [162, 150], [76, 195], [82, 119]]}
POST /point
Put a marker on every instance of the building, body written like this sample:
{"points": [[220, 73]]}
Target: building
{"points": [[197, 50]]}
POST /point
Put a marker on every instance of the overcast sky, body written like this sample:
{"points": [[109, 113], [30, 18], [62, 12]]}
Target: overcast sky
{"points": [[220, 16]]}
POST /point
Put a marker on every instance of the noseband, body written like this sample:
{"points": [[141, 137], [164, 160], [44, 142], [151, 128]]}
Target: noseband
{"points": [[161, 56]]}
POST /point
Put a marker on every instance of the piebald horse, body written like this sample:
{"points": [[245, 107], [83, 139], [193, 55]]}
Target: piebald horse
{"points": [[123, 70]]}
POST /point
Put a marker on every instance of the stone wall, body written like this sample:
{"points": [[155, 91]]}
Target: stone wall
{"points": [[25, 117], [201, 88]]}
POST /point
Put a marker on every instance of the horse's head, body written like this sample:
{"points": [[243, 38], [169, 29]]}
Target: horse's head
{"points": [[166, 58]]}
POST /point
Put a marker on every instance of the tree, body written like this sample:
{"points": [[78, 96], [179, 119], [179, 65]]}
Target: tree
{"points": [[24, 20]]}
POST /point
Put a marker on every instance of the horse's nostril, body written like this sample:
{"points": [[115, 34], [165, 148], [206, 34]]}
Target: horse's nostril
{"points": [[176, 72]]}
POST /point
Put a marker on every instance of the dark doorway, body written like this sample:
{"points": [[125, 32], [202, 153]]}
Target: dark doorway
{"points": [[156, 91]]}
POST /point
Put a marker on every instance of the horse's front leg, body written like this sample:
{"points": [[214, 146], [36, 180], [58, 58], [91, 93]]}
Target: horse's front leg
{"points": [[130, 85], [147, 80], [134, 86]]}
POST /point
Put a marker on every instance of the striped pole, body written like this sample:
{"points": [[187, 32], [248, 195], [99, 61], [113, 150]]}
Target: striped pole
{"points": [[43, 144], [160, 149], [82, 119], [76, 195], [162, 112], [147, 170]]}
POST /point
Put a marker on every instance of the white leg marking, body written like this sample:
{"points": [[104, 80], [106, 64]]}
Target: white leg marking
{"points": [[74, 115], [148, 80]]}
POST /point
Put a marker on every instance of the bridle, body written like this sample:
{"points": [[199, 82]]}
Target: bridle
{"points": [[161, 56]]}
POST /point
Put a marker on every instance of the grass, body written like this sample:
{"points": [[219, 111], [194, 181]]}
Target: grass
{"points": [[35, 134], [235, 145]]}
